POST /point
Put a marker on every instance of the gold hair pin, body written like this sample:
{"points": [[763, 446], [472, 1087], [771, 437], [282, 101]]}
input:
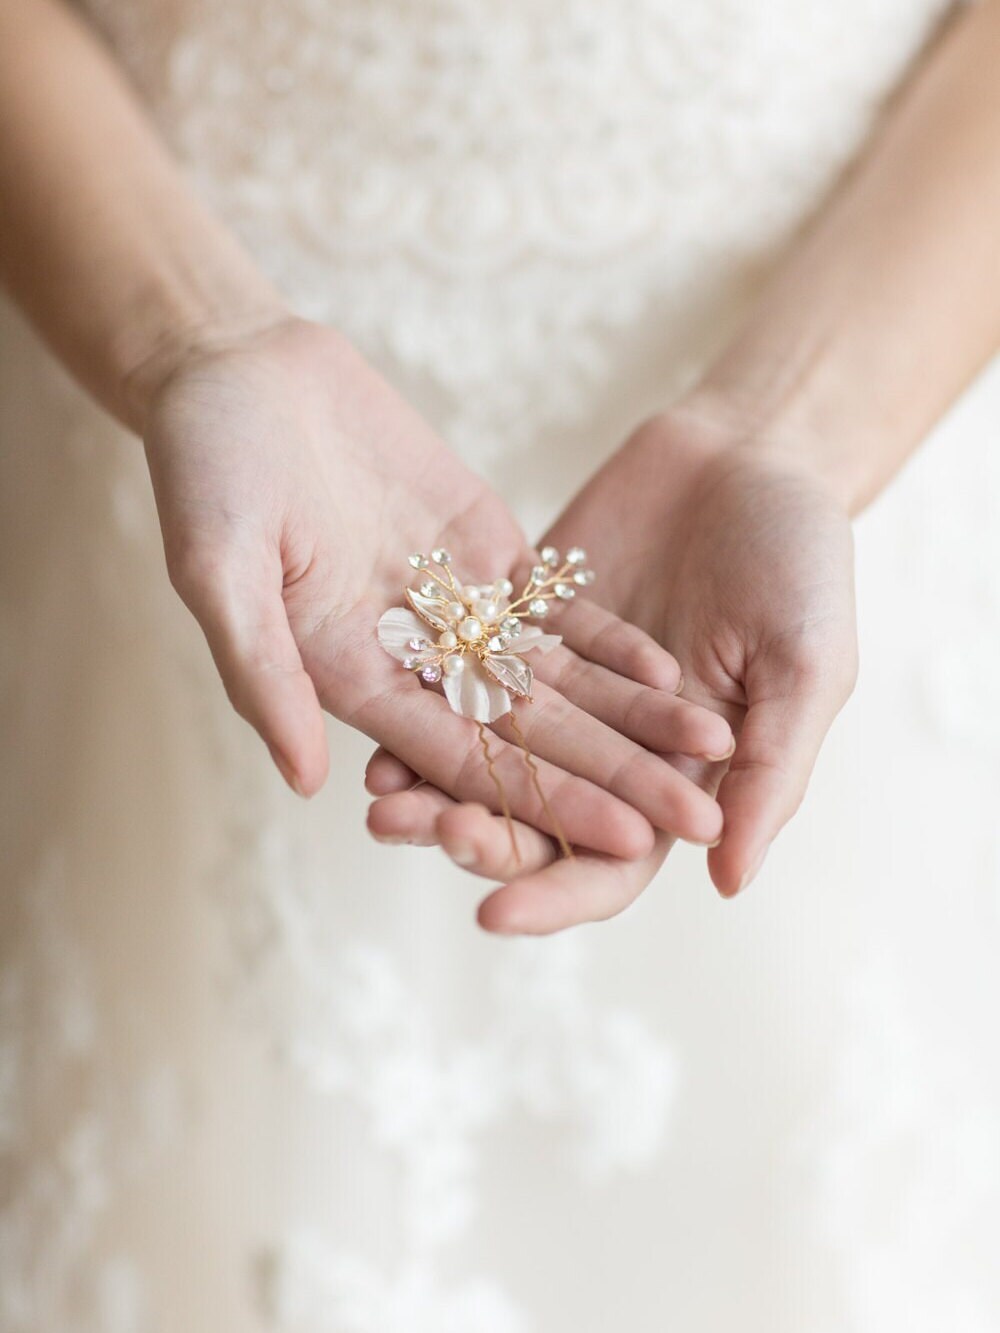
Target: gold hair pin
{"points": [[480, 636]]}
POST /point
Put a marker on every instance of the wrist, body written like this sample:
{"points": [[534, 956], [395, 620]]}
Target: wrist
{"points": [[181, 339], [789, 432]]}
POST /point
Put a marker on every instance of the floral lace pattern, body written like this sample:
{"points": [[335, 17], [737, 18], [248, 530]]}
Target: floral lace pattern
{"points": [[489, 200]]}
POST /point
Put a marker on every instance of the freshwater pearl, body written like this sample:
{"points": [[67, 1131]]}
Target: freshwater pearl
{"points": [[456, 610], [454, 665], [503, 587], [470, 629], [448, 639]]}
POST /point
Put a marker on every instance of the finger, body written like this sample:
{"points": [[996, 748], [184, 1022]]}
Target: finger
{"points": [[408, 816], [580, 744], [385, 773], [245, 622], [652, 718], [600, 636], [473, 837], [590, 887], [788, 716], [485, 845], [419, 727]]}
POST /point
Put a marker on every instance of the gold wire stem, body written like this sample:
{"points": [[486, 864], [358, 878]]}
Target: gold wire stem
{"points": [[529, 759], [448, 591], [539, 590], [504, 806]]}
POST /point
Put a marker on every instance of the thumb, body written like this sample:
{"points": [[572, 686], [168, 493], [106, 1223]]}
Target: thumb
{"points": [[791, 706], [246, 624]]}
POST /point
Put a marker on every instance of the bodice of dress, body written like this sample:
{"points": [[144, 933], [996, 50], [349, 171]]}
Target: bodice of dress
{"points": [[494, 200]]}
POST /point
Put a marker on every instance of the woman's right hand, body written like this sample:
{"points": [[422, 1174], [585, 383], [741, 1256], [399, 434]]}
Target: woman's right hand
{"points": [[291, 484]]}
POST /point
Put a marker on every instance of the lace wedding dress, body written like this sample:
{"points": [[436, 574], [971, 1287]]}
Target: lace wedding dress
{"points": [[259, 1074]]}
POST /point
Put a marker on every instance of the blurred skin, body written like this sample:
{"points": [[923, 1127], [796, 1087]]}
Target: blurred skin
{"points": [[292, 482], [722, 526]]}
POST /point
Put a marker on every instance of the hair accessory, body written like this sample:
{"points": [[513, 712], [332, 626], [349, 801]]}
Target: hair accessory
{"points": [[471, 638]]}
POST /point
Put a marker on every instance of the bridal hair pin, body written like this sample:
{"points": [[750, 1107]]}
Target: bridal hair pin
{"points": [[477, 646]]}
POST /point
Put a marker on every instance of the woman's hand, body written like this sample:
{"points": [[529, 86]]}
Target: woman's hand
{"points": [[729, 551], [292, 483]]}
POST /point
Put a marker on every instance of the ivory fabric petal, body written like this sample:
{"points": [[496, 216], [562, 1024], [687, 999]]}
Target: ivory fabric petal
{"points": [[395, 630], [473, 694], [532, 637]]}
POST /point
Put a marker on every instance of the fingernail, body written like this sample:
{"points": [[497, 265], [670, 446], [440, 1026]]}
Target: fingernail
{"points": [[754, 870], [463, 854], [718, 758], [287, 772], [680, 684]]}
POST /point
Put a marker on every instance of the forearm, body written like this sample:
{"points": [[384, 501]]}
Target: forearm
{"points": [[101, 241], [890, 304]]}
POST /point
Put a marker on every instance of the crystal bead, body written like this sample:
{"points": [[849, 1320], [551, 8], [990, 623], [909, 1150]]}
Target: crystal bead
{"points": [[565, 591], [539, 574], [418, 645], [503, 587], [576, 555], [449, 639], [441, 556], [428, 589], [453, 665], [431, 673], [538, 607], [583, 577], [418, 561], [550, 556]]}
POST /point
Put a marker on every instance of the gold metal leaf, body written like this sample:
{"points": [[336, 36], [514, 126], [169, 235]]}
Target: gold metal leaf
{"points": [[428, 609], [513, 673]]}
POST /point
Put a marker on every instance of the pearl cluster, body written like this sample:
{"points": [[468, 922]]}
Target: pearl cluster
{"points": [[481, 618]]}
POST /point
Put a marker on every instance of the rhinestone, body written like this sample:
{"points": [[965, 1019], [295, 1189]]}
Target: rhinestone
{"points": [[503, 587], [539, 574], [418, 561], [576, 555], [449, 639], [550, 556], [418, 645], [428, 589], [539, 607], [453, 665], [565, 591], [411, 663], [499, 642], [583, 577], [441, 556], [431, 673], [511, 625]]}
